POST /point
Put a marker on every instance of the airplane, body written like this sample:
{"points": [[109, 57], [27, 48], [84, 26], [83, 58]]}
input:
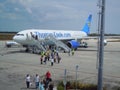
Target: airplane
{"points": [[71, 38]]}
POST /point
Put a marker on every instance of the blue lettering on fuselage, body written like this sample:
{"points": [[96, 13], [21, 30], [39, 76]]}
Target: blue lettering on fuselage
{"points": [[54, 34]]}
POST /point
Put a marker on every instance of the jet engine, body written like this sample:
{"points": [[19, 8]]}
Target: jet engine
{"points": [[73, 44]]}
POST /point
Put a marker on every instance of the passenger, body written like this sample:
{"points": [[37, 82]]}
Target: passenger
{"points": [[37, 79], [69, 52], [48, 54], [48, 75], [41, 60], [72, 52], [42, 53], [52, 61], [59, 58], [57, 54], [46, 83], [55, 58], [51, 86], [41, 86], [52, 54], [45, 59], [28, 81]]}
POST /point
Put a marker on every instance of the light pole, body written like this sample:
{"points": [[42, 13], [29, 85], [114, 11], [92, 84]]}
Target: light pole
{"points": [[76, 76], [64, 81], [101, 50]]}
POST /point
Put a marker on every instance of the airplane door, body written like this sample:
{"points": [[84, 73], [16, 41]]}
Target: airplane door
{"points": [[28, 36]]}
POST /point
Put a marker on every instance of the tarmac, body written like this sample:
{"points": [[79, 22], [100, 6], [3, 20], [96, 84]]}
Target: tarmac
{"points": [[15, 64]]}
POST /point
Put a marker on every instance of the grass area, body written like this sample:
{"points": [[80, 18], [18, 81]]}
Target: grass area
{"points": [[71, 85], [6, 36]]}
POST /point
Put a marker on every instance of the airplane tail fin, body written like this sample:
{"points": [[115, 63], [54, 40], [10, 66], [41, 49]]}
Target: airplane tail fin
{"points": [[86, 27]]}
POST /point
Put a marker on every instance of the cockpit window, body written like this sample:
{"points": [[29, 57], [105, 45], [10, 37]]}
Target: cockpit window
{"points": [[19, 34]]}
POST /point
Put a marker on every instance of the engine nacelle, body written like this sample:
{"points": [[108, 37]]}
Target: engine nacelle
{"points": [[73, 44]]}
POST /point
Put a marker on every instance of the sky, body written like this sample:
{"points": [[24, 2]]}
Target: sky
{"points": [[18, 15]]}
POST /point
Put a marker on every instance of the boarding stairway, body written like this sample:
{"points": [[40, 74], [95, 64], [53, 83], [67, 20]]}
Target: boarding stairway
{"points": [[40, 45], [58, 43], [37, 47]]}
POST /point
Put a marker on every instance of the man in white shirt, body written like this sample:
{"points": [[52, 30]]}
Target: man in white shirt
{"points": [[52, 61], [37, 79], [28, 80]]}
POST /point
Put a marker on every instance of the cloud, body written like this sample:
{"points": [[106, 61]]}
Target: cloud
{"points": [[29, 10], [45, 14], [58, 14]]}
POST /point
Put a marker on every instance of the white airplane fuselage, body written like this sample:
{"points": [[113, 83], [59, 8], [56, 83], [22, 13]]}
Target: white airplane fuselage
{"points": [[25, 37]]}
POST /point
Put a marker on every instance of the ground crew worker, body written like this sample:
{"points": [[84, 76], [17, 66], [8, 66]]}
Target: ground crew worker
{"points": [[72, 51]]}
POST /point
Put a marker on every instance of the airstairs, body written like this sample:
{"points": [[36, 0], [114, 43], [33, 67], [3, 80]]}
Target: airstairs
{"points": [[40, 45], [58, 43], [37, 47]]}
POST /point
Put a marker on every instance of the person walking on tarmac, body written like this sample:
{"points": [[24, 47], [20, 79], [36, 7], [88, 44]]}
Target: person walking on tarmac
{"points": [[28, 81], [52, 61], [37, 78], [51, 86], [73, 52], [41, 59], [48, 75], [41, 86]]}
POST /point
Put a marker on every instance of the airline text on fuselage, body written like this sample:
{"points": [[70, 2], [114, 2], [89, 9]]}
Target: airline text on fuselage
{"points": [[54, 34]]}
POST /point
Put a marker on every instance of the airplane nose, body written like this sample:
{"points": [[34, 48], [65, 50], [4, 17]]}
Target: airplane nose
{"points": [[19, 39], [14, 38]]}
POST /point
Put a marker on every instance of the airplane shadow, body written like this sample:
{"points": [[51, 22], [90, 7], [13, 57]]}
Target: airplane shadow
{"points": [[12, 52], [91, 49], [95, 50], [86, 49]]}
